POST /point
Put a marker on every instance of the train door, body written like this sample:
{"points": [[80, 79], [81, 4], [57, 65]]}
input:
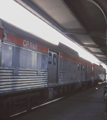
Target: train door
{"points": [[92, 74], [86, 71], [79, 72], [82, 73], [52, 67]]}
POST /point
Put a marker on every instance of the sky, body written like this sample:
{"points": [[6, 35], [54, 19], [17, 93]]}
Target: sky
{"points": [[12, 12]]}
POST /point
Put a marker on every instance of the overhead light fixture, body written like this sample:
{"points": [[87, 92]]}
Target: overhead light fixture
{"points": [[22, 18]]}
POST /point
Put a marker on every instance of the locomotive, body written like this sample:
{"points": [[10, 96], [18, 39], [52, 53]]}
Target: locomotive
{"points": [[33, 71]]}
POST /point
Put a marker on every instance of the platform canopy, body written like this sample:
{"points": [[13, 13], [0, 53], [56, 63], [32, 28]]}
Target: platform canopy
{"points": [[82, 20]]}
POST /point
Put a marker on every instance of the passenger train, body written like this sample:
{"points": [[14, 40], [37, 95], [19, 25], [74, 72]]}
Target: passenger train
{"points": [[33, 71]]}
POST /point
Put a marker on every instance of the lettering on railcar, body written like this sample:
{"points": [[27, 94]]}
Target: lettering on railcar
{"points": [[29, 44]]}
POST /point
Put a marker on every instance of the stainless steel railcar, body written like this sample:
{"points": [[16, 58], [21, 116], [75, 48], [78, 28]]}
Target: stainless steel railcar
{"points": [[33, 71]]}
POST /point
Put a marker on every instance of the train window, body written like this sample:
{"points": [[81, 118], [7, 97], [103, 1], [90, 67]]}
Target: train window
{"points": [[34, 59], [31, 59], [44, 61], [54, 59], [50, 58], [16, 57], [78, 67], [7, 52], [39, 61], [23, 58], [83, 68]]}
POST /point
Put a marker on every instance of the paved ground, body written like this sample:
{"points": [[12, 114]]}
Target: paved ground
{"points": [[87, 105]]}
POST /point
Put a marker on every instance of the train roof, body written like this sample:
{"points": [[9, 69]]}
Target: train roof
{"points": [[12, 29], [99, 66]]}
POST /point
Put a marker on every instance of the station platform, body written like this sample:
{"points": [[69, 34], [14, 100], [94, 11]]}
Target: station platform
{"points": [[86, 105]]}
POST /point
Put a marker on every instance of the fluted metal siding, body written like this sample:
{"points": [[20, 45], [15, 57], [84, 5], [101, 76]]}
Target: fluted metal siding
{"points": [[65, 76], [69, 72], [25, 79]]}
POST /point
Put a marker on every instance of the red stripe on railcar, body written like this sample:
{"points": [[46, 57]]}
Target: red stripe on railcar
{"points": [[98, 67], [90, 65], [0, 33], [42, 49], [72, 59], [14, 39], [25, 43]]}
